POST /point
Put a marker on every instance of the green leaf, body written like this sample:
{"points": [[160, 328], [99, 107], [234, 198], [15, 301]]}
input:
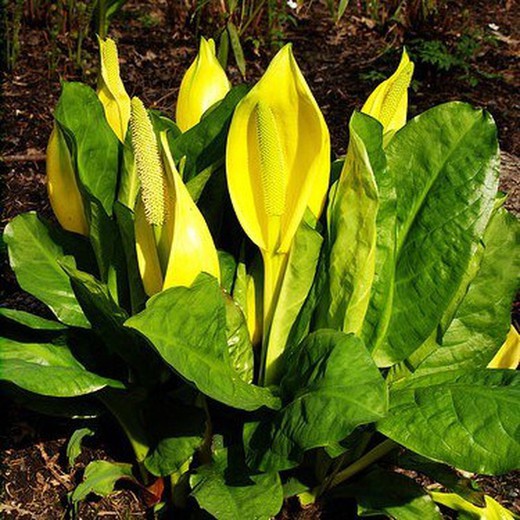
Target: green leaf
{"points": [[228, 491], [223, 49], [238, 340], [31, 321], [93, 145], [108, 248], [481, 322], [187, 326], [84, 407], [48, 369], [382, 492], [205, 143], [298, 278], [443, 474], [445, 163], [352, 230], [467, 511], [34, 251], [100, 478], [125, 222], [468, 419], [107, 320], [330, 387], [228, 267], [236, 47], [74, 444], [176, 430]]}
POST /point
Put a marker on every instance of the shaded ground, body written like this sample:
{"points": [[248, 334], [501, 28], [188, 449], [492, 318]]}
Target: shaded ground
{"points": [[342, 65]]}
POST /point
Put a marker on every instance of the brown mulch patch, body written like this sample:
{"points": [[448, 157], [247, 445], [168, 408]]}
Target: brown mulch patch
{"points": [[338, 62]]}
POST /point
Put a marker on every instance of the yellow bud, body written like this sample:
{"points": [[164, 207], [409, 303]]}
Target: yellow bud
{"points": [[64, 194], [148, 164], [388, 103], [111, 91], [204, 83]]}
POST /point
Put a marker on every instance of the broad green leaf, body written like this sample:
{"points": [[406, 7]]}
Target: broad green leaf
{"points": [[31, 321], [48, 369], [107, 320], [176, 431], [482, 320], [445, 475], [394, 495], [298, 278], [83, 407], [228, 491], [468, 511], [330, 386], [205, 143], [468, 419], [93, 145], [100, 478], [352, 232], [445, 163], [238, 340], [34, 251], [187, 327], [74, 445]]}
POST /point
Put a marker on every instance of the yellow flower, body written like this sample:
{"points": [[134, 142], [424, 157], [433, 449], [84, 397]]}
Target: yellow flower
{"points": [[277, 163], [204, 83], [111, 91], [173, 242], [388, 103], [64, 194], [278, 156], [509, 354]]}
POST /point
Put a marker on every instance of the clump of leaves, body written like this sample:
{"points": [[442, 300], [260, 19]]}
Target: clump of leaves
{"points": [[263, 322]]}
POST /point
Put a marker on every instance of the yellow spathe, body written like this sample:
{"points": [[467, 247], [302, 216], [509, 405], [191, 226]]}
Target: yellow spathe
{"points": [[509, 354], [111, 91], [192, 249], [204, 83], [388, 103], [173, 242], [278, 156], [64, 194]]}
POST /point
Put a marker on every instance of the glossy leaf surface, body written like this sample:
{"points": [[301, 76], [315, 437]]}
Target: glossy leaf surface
{"points": [[34, 251], [445, 163], [468, 419], [48, 369], [329, 386], [187, 326], [226, 490]]}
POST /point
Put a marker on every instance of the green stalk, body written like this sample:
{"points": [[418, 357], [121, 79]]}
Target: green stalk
{"points": [[364, 462]]}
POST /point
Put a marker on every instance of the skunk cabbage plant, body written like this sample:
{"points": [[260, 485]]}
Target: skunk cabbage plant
{"points": [[262, 319]]}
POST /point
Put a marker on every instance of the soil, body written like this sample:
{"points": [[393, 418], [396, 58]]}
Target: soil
{"points": [[338, 61]]}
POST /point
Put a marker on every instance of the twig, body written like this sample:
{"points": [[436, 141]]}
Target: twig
{"points": [[32, 157]]}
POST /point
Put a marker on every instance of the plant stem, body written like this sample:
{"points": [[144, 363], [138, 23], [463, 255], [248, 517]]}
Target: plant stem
{"points": [[274, 267], [362, 463]]}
